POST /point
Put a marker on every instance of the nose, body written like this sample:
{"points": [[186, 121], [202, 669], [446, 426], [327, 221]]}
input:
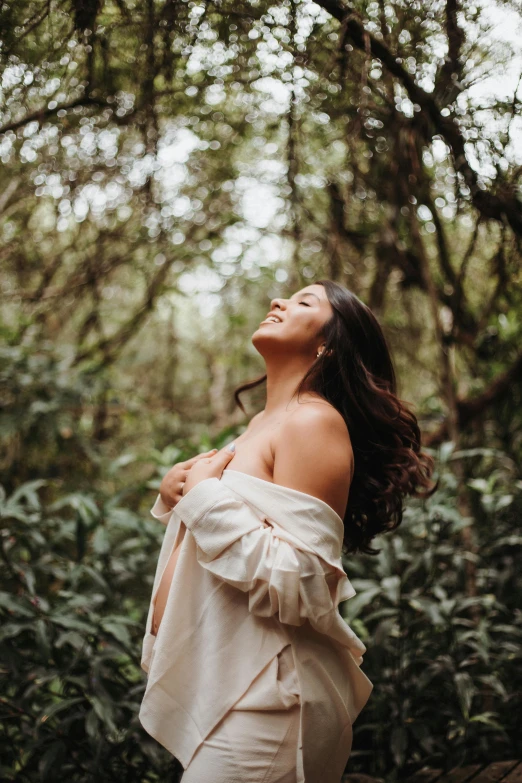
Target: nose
{"points": [[276, 302]]}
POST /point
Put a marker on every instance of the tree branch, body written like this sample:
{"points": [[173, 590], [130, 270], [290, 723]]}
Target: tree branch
{"points": [[451, 71], [44, 114], [502, 206], [470, 409]]}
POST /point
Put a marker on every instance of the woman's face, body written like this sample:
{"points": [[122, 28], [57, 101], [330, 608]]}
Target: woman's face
{"points": [[302, 317]]}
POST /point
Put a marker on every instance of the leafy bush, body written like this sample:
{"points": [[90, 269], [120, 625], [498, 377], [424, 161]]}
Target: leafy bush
{"points": [[445, 664], [76, 584]]}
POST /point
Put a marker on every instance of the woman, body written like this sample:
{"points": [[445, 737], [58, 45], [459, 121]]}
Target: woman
{"points": [[253, 674]]}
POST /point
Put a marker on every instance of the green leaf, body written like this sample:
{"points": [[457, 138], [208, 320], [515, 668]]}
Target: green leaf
{"points": [[19, 606], [92, 726], [52, 710], [100, 540], [391, 588], [118, 631], [27, 492], [71, 637], [488, 719], [10, 630], [75, 623], [105, 711], [465, 691], [399, 744], [353, 606]]}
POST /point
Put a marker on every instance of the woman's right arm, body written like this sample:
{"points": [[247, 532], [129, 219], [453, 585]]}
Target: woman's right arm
{"points": [[171, 487]]}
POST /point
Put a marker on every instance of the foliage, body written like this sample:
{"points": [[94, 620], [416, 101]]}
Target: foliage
{"points": [[75, 588], [445, 664], [76, 582], [79, 552]]}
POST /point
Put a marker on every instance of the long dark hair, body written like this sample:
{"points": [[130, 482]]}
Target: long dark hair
{"points": [[358, 379]]}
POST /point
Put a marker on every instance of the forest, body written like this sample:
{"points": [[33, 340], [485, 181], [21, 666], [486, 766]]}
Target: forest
{"points": [[169, 167]]}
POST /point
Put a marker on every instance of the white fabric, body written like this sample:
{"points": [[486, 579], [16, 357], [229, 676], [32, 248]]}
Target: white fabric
{"points": [[259, 567], [248, 747], [257, 740]]}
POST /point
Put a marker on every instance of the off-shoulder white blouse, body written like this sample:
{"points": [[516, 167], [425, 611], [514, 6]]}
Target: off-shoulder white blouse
{"points": [[259, 567]]}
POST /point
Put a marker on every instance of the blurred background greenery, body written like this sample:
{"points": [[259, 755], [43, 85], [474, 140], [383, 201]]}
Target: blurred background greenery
{"points": [[168, 168]]}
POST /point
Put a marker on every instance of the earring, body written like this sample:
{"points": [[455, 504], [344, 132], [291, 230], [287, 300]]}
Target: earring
{"points": [[320, 353]]}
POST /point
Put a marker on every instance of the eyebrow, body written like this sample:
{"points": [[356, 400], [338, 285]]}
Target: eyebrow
{"points": [[307, 293]]}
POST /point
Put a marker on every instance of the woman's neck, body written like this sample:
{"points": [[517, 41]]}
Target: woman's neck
{"points": [[281, 383]]}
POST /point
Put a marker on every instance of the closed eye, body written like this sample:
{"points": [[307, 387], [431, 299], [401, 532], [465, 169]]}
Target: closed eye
{"points": [[305, 303]]}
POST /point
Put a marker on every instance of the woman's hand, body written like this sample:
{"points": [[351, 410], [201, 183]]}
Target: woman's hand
{"points": [[174, 483], [210, 467], [171, 485]]}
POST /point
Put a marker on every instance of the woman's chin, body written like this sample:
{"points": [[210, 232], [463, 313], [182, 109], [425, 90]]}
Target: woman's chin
{"points": [[260, 339], [265, 329]]}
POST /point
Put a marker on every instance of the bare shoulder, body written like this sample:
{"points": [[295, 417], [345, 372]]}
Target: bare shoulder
{"points": [[319, 416], [253, 420], [313, 453]]}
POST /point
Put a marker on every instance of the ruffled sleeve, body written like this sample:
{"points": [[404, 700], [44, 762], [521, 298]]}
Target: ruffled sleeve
{"points": [[243, 549]]}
